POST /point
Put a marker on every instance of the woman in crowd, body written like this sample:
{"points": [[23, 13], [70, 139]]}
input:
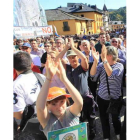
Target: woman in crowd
{"points": [[55, 82], [47, 47], [109, 69], [52, 111]]}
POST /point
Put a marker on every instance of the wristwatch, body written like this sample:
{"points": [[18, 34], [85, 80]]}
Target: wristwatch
{"points": [[105, 62]]}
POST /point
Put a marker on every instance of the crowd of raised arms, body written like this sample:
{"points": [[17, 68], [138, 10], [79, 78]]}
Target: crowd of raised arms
{"points": [[76, 72]]}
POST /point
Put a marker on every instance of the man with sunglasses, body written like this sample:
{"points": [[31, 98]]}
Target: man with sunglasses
{"points": [[121, 53], [36, 59]]}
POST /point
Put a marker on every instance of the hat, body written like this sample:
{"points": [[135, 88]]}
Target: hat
{"points": [[92, 38], [55, 92], [27, 45], [70, 52]]}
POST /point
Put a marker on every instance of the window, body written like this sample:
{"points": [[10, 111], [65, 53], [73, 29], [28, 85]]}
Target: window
{"points": [[65, 26], [82, 15], [65, 23]]}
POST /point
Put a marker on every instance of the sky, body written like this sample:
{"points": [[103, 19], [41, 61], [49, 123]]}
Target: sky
{"points": [[110, 4]]}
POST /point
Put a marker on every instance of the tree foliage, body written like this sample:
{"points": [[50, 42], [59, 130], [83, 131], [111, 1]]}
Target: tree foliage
{"points": [[118, 15]]}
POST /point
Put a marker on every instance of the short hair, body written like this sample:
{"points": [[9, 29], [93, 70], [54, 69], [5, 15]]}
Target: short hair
{"points": [[22, 61], [85, 41], [102, 34], [48, 43], [120, 40], [111, 50], [32, 39], [59, 38], [115, 39]]}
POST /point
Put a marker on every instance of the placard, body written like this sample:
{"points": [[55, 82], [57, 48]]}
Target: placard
{"points": [[77, 132]]}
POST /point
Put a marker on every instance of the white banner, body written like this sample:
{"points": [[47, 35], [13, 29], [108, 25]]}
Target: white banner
{"points": [[31, 32]]}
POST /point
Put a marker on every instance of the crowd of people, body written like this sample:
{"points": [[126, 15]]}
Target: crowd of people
{"points": [[76, 71]]}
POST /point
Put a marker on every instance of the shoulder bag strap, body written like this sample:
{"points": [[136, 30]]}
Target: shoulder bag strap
{"points": [[108, 86]]}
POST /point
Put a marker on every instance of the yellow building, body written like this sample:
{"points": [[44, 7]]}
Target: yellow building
{"points": [[68, 24], [90, 11], [116, 25]]}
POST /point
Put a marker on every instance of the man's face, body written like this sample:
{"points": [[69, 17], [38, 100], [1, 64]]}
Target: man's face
{"points": [[86, 47], [73, 59], [59, 45], [34, 45], [38, 40], [102, 39], [26, 49], [20, 43], [114, 43]]}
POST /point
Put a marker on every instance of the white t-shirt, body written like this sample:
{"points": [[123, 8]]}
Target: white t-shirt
{"points": [[25, 90], [36, 60]]}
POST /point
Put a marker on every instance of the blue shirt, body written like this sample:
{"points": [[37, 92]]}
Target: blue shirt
{"points": [[122, 56], [91, 59]]}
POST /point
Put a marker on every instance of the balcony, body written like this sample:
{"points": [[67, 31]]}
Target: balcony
{"points": [[66, 28]]}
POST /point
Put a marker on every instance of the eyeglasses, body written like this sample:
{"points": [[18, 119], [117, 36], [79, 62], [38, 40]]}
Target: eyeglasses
{"points": [[114, 41], [24, 48], [47, 46]]}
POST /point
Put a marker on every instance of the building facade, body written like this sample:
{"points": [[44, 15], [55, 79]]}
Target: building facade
{"points": [[68, 24], [116, 25], [87, 11]]}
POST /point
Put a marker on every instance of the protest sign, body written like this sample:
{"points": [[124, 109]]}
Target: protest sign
{"points": [[77, 132], [31, 32]]}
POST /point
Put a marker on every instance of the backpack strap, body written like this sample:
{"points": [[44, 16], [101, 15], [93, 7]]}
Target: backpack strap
{"points": [[39, 78]]}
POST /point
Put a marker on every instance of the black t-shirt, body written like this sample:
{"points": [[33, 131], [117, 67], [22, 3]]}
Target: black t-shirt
{"points": [[44, 58]]}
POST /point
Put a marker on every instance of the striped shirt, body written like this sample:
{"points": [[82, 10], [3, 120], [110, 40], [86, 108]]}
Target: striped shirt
{"points": [[114, 81]]}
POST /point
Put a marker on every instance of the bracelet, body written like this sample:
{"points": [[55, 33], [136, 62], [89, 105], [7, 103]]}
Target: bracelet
{"points": [[105, 62]]}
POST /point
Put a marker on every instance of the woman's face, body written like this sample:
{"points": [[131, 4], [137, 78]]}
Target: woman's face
{"points": [[58, 107], [47, 47]]}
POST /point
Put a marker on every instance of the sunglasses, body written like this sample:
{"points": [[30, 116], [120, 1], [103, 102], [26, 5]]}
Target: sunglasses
{"points": [[47, 46], [114, 41], [24, 48]]}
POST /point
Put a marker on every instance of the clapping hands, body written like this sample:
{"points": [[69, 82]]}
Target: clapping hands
{"points": [[95, 54], [104, 53]]}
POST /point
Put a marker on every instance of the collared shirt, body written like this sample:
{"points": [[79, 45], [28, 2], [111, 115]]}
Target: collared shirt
{"points": [[98, 46], [39, 52], [122, 56]]}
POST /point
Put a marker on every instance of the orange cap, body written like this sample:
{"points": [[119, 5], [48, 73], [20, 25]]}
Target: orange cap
{"points": [[55, 92]]}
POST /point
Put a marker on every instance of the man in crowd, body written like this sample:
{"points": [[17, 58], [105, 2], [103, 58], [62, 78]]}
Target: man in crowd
{"points": [[35, 58], [40, 45], [26, 87], [35, 50], [19, 44], [102, 40]]}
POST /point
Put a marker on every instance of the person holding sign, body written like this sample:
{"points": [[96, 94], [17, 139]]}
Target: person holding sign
{"points": [[52, 110]]}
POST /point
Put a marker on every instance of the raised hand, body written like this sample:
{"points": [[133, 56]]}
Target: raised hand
{"points": [[104, 53], [51, 67], [61, 71], [95, 54]]}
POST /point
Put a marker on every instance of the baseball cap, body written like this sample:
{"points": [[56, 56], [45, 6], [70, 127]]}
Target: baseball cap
{"points": [[55, 92], [70, 52], [27, 45]]}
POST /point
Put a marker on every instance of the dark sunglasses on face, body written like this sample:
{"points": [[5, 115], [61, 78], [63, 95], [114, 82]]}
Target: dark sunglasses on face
{"points": [[24, 48], [114, 41], [47, 46]]}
